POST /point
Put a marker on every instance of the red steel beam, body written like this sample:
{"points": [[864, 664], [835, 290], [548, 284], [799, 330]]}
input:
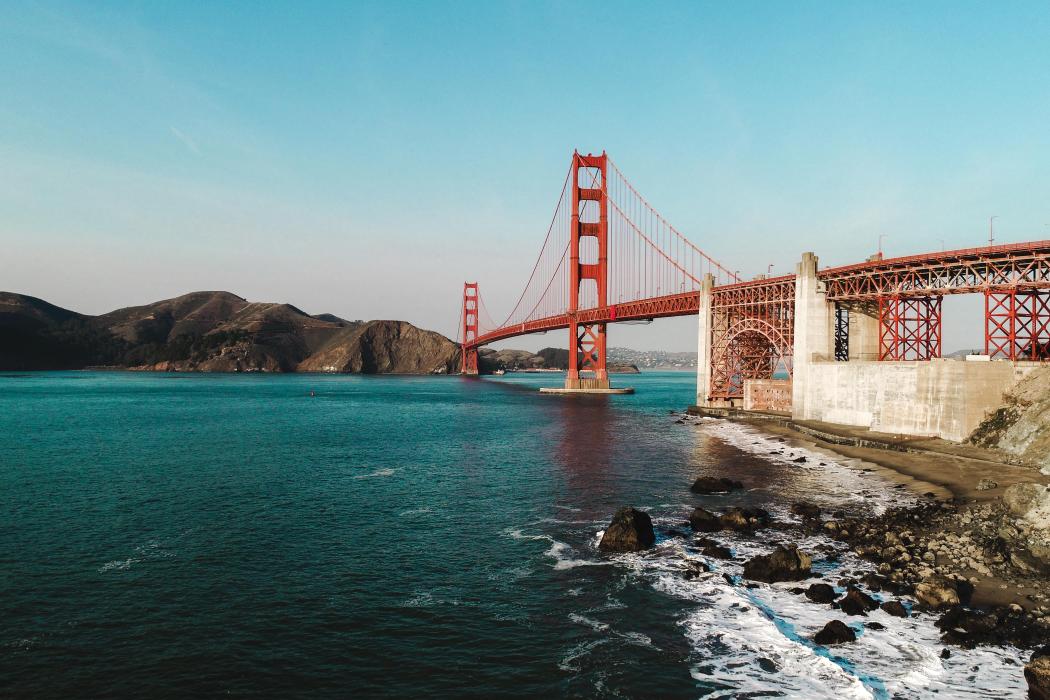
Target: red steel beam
{"points": [[1018, 266], [659, 307]]}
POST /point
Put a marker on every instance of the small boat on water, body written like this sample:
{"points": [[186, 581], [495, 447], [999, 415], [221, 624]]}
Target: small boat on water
{"points": [[500, 372]]}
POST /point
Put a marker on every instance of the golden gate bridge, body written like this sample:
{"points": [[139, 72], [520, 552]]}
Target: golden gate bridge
{"points": [[609, 256]]}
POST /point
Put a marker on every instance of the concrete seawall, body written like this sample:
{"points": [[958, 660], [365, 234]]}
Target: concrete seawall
{"points": [[943, 398]]}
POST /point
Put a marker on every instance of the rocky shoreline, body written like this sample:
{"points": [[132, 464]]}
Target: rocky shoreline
{"points": [[981, 570]]}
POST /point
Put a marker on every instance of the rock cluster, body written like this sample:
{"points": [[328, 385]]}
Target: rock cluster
{"points": [[739, 519], [937, 552]]}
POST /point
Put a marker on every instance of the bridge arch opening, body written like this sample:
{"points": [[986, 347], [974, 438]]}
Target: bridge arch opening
{"points": [[755, 350]]}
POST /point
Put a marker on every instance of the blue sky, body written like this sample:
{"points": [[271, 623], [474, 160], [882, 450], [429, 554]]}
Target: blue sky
{"points": [[365, 159]]}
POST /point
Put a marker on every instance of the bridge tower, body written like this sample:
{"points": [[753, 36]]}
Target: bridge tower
{"points": [[587, 345], [469, 356]]}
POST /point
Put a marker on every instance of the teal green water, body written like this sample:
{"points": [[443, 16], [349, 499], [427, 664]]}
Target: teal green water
{"points": [[206, 535]]}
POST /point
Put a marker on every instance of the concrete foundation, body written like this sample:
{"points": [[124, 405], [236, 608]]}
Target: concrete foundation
{"points": [[941, 398], [767, 395]]}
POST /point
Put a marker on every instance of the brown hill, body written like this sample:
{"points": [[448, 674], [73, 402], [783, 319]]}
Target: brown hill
{"points": [[384, 347], [212, 332]]}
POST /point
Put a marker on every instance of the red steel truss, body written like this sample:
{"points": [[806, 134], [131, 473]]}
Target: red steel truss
{"points": [[1017, 324], [660, 307], [968, 271], [909, 328], [753, 331]]}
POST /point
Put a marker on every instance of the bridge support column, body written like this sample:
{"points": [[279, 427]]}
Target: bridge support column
{"points": [[468, 351], [863, 332], [814, 334], [909, 328], [590, 222], [1017, 324], [703, 347]]}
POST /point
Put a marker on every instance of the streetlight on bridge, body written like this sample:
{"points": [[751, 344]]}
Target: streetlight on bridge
{"points": [[991, 230]]}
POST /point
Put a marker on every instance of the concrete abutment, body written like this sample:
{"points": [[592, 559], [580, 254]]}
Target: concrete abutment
{"points": [[941, 397]]}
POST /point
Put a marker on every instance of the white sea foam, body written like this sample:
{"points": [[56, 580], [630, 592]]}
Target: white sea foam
{"points": [[731, 627], [414, 511], [118, 565], [376, 473], [579, 651], [419, 600], [564, 555], [593, 624]]}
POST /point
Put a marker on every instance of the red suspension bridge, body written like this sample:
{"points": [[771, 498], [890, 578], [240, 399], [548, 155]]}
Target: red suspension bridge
{"points": [[608, 256]]}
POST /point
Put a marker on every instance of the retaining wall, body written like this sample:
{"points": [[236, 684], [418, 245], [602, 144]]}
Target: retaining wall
{"points": [[942, 398]]}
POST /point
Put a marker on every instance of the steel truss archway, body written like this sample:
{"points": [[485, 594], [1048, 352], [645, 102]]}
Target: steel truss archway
{"points": [[752, 326]]}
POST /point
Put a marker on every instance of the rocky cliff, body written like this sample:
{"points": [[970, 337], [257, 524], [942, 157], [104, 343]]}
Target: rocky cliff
{"points": [[213, 332], [1021, 426], [384, 347]]}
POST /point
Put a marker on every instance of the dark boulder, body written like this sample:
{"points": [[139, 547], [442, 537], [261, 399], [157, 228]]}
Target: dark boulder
{"points": [[857, 602], [711, 484], [744, 519], [895, 608], [702, 520], [835, 632], [968, 627], [820, 593], [693, 569], [807, 511], [717, 551], [631, 530], [783, 564]]}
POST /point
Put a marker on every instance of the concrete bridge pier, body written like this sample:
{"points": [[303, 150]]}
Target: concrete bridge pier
{"points": [[814, 333], [703, 348], [863, 332]]}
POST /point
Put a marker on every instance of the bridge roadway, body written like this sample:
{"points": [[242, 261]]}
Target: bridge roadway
{"points": [[1001, 268]]}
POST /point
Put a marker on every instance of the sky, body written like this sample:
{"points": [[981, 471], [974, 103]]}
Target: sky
{"points": [[364, 159]]}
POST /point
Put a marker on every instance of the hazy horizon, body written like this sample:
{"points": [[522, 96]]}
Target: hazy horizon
{"points": [[365, 160]]}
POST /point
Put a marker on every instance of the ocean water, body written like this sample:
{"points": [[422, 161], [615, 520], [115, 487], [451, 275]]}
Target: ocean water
{"points": [[201, 535]]}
